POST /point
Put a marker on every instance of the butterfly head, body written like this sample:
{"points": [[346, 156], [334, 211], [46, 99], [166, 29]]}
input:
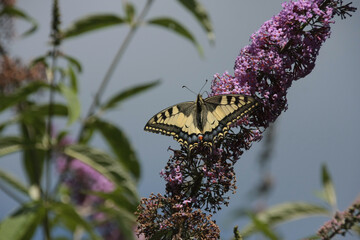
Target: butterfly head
{"points": [[199, 99]]}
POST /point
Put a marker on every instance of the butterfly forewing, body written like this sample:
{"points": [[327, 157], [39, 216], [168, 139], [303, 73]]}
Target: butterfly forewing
{"points": [[171, 120]]}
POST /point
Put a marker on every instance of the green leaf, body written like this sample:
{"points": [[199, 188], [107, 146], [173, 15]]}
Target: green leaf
{"points": [[73, 103], [201, 15], [102, 163], [88, 131], [40, 111], [73, 61], [119, 97], [73, 79], [14, 182], [10, 144], [16, 12], [129, 12], [22, 224], [237, 235], [263, 227], [285, 212], [176, 27], [40, 59], [122, 198], [92, 23], [20, 95], [69, 216], [328, 187], [35, 145], [120, 145]]}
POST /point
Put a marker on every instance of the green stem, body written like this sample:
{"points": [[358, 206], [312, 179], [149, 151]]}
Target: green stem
{"points": [[50, 147], [114, 64], [50, 115], [54, 53]]}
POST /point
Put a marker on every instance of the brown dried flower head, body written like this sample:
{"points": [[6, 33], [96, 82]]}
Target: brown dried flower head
{"points": [[13, 74]]}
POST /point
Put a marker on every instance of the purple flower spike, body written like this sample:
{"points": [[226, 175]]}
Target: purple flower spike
{"points": [[283, 50]]}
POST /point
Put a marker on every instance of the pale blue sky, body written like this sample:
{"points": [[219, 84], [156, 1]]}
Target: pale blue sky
{"points": [[320, 126]]}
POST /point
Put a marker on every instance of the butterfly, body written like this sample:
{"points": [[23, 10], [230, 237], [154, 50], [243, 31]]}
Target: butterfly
{"points": [[202, 121]]}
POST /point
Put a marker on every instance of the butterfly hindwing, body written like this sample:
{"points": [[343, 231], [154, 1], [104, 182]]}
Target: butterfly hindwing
{"points": [[205, 120]]}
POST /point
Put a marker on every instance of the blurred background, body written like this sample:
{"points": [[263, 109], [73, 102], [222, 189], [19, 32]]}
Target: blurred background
{"points": [[320, 126]]}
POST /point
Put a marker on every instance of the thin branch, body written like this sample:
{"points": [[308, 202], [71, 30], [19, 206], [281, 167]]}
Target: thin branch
{"points": [[54, 53], [114, 64]]}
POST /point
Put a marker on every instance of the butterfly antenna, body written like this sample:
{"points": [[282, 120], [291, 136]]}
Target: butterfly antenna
{"points": [[189, 89], [207, 93], [203, 85]]}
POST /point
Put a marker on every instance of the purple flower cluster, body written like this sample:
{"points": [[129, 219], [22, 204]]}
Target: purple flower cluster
{"points": [[341, 222], [172, 175], [81, 181], [203, 181], [283, 50], [175, 221], [227, 84]]}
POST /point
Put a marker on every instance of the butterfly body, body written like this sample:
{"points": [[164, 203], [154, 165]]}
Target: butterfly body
{"points": [[202, 121]]}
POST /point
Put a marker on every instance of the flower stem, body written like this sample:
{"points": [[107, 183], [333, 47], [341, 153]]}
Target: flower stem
{"points": [[55, 36]]}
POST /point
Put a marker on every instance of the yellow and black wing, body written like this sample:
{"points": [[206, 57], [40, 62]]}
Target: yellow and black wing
{"points": [[206, 120], [173, 120], [222, 111]]}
